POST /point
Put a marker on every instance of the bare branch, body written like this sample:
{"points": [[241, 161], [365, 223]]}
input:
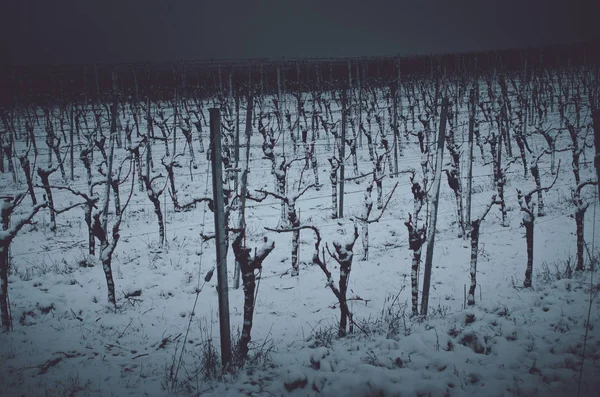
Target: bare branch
{"points": [[359, 176], [267, 193], [489, 207], [71, 207], [332, 255], [583, 184], [87, 198], [130, 191], [382, 210], [207, 237], [289, 163], [187, 206], [543, 189], [257, 199], [299, 194], [10, 233]]}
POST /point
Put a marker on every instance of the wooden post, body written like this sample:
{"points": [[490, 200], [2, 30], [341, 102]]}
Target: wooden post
{"points": [[237, 126], [499, 175], [165, 222], [436, 196], [249, 109], [298, 133], [342, 155], [137, 103], [175, 125], [280, 111], [395, 115], [457, 102], [1, 160], [299, 91], [350, 89], [220, 234], [470, 149], [506, 124], [360, 143], [71, 149], [435, 101], [596, 121]]}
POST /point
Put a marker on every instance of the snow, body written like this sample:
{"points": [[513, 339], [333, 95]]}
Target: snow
{"points": [[513, 341], [266, 247]]}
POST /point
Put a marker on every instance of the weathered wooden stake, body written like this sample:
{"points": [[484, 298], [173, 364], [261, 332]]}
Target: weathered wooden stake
{"points": [[280, 111], [175, 125], [237, 126], [395, 115], [359, 107], [470, 163], [342, 155], [220, 234], [71, 148], [433, 218], [596, 121]]}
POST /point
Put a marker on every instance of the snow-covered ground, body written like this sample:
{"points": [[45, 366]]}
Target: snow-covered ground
{"points": [[165, 334]]}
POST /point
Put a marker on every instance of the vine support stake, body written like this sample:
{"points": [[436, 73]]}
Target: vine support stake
{"points": [[220, 234], [436, 195]]}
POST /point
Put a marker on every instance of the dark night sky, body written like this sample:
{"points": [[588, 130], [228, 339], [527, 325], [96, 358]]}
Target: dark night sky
{"points": [[83, 31]]}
